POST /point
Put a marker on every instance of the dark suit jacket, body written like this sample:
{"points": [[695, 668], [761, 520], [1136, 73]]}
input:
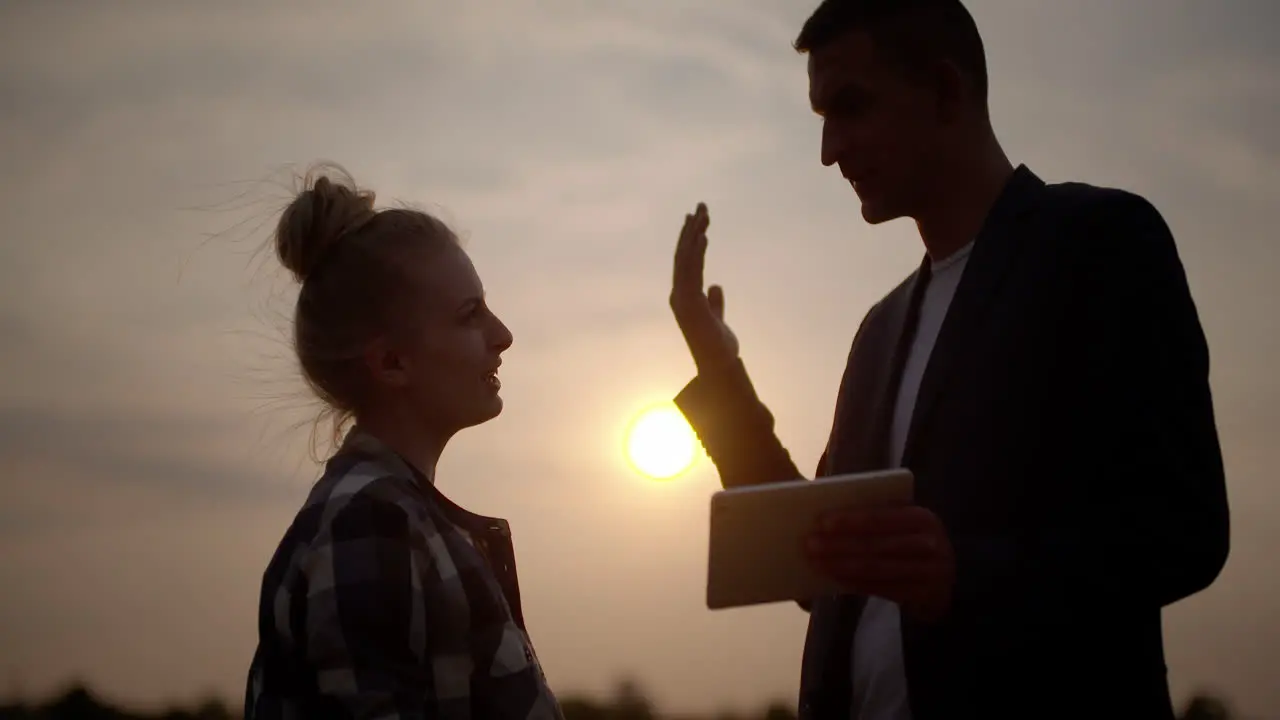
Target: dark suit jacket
{"points": [[1064, 433]]}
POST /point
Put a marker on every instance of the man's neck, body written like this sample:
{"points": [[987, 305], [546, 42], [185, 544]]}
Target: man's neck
{"points": [[962, 202]]}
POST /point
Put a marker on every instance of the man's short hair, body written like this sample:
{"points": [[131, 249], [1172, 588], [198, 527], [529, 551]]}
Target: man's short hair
{"points": [[913, 33]]}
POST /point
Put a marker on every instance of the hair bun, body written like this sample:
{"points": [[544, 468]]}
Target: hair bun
{"points": [[329, 207]]}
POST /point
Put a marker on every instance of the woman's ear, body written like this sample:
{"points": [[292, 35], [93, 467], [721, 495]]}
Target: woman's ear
{"points": [[387, 367]]}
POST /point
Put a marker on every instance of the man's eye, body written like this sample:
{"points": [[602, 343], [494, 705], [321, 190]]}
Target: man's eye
{"points": [[851, 109], [850, 104]]}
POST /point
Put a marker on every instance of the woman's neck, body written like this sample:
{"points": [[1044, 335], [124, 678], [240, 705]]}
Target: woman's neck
{"points": [[408, 437]]}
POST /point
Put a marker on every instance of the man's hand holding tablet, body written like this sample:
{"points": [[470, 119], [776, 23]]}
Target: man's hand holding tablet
{"points": [[858, 534], [899, 553]]}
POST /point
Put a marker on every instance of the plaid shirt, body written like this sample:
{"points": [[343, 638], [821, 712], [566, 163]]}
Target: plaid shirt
{"points": [[386, 600]]}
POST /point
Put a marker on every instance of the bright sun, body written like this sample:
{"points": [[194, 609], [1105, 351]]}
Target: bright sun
{"points": [[660, 443]]}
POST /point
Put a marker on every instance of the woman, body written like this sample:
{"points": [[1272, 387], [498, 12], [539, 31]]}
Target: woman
{"points": [[384, 599]]}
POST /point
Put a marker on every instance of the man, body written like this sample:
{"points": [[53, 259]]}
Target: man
{"points": [[1043, 374]]}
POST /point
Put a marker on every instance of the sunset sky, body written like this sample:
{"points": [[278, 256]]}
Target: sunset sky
{"points": [[153, 444]]}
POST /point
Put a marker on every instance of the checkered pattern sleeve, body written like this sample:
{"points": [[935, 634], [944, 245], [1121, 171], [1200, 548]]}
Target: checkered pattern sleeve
{"points": [[371, 583]]}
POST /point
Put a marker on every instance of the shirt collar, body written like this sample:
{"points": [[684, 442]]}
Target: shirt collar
{"points": [[361, 441]]}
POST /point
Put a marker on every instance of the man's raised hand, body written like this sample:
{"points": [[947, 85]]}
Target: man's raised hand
{"points": [[700, 314]]}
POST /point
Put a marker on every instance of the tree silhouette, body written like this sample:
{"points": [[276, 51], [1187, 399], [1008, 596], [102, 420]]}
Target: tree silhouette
{"points": [[628, 702], [78, 703], [779, 711], [1205, 706]]}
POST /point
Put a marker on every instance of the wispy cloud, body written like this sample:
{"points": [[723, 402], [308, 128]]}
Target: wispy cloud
{"points": [[144, 368]]}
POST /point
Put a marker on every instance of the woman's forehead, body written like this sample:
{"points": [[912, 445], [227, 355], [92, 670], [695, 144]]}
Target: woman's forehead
{"points": [[449, 275]]}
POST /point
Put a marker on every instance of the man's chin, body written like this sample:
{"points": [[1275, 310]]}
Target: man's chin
{"points": [[874, 214]]}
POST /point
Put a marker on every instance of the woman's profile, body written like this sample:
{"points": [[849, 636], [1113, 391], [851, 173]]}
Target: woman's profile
{"points": [[384, 599]]}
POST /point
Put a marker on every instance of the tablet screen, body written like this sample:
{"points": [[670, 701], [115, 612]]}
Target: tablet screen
{"points": [[755, 553]]}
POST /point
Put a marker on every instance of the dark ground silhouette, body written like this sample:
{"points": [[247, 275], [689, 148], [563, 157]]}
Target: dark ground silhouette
{"points": [[629, 702]]}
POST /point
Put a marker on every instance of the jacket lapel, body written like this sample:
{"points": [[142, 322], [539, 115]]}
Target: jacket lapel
{"points": [[993, 251], [905, 311], [864, 404], [861, 424]]}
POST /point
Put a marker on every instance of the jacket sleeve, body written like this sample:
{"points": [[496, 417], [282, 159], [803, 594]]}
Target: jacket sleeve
{"points": [[365, 622], [737, 431], [1159, 530], [735, 427]]}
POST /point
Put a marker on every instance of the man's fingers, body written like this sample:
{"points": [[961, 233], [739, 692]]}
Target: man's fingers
{"points": [[899, 581], [838, 545], [879, 521], [878, 573], [682, 250], [697, 246], [690, 257], [699, 314], [715, 297]]}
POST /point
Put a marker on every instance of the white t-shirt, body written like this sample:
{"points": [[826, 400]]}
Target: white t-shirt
{"points": [[879, 676]]}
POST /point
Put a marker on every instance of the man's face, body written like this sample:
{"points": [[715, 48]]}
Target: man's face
{"points": [[879, 128]]}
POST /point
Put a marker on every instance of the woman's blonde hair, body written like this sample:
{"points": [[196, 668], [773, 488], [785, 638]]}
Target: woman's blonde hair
{"points": [[352, 263]]}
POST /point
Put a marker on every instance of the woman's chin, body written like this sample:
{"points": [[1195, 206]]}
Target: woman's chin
{"points": [[495, 406], [491, 409], [478, 413]]}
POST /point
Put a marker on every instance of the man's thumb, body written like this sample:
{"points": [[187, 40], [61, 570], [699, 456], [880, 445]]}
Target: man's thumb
{"points": [[715, 298]]}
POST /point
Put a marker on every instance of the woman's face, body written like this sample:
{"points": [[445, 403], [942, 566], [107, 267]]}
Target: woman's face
{"points": [[444, 353]]}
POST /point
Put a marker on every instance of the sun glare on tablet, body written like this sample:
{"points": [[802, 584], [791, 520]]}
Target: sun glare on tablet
{"points": [[660, 444]]}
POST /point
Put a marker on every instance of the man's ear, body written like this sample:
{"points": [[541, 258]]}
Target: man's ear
{"points": [[952, 91], [387, 366]]}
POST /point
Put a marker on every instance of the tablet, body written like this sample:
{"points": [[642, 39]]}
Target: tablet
{"points": [[757, 534]]}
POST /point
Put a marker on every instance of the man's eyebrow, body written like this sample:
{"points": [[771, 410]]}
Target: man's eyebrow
{"points": [[845, 96]]}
